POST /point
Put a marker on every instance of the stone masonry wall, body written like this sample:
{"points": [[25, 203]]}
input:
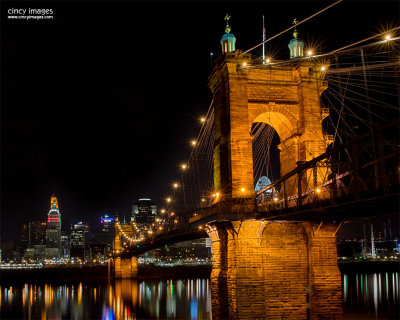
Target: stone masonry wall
{"points": [[276, 270]]}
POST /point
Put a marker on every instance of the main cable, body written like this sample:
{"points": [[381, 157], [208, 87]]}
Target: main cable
{"points": [[294, 26]]}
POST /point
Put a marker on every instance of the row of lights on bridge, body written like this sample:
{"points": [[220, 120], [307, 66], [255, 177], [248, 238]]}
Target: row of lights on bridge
{"points": [[193, 142]]}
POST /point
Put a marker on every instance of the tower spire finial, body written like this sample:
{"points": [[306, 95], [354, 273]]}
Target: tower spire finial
{"points": [[295, 33], [227, 28]]}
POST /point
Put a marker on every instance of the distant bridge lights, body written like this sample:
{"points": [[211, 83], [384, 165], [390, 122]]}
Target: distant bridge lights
{"points": [[175, 185], [276, 199], [162, 210], [318, 190], [193, 142], [203, 119], [184, 166], [168, 199]]}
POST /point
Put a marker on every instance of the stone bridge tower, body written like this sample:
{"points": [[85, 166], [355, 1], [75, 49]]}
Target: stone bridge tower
{"points": [[121, 266], [284, 96], [269, 269]]}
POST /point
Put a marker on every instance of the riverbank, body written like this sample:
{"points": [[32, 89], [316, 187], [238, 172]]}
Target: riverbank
{"points": [[369, 266], [56, 274]]}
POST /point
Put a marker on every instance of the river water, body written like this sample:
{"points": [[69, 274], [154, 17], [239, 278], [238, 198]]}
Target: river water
{"points": [[365, 296]]}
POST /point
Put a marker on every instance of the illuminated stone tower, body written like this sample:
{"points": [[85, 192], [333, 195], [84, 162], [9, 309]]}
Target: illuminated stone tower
{"points": [[53, 232]]}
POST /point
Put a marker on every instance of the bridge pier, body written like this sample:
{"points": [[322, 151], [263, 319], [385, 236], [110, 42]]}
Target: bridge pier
{"points": [[124, 268], [275, 270]]}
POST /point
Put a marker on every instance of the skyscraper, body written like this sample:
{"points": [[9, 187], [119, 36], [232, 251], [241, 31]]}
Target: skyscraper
{"points": [[79, 241], [107, 223], [143, 213], [53, 231], [37, 232]]}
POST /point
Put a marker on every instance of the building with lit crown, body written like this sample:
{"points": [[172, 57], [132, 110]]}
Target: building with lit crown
{"points": [[53, 231]]}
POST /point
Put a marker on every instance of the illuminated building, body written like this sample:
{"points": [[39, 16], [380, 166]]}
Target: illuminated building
{"points": [[53, 231], [25, 236], [107, 223], [33, 240], [79, 240], [37, 232], [143, 213], [65, 246]]}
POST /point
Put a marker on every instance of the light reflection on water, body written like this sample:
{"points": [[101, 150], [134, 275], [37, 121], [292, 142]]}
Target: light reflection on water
{"points": [[123, 299], [371, 296], [365, 296]]}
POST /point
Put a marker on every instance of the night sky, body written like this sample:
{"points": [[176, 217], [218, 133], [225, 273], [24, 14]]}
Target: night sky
{"points": [[99, 103]]}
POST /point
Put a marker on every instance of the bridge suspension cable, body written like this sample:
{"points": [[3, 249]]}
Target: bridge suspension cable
{"points": [[345, 97], [290, 28]]}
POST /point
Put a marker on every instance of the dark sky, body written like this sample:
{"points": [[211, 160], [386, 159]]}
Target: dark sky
{"points": [[98, 104]]}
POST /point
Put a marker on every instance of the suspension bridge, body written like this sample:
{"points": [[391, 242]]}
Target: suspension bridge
{"points": [[287, 152]]}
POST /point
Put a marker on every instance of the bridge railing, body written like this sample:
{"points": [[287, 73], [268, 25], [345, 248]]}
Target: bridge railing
{"points": [[369, 163]]}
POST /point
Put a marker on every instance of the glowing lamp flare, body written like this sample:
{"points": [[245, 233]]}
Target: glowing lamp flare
{"points": [[318, 190], [175, 185], [168, 199], [388, 37], [309, 53], [276, 199], [244, 64], [184, 166], [193, 142], [202, 119], [268, 60], [323, 68], [243, 189]]}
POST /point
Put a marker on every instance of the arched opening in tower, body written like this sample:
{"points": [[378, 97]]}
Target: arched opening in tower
{"points": [[266, 156]]}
